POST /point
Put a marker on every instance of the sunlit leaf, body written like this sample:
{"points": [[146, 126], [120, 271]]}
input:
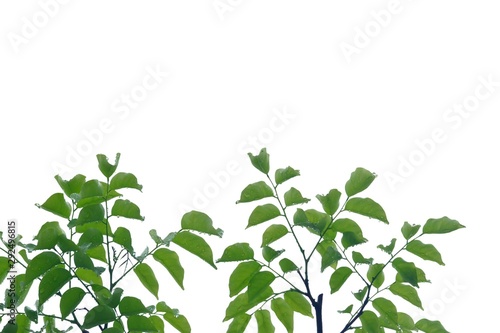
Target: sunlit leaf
{"points": [[330, 201], [441, 226], [201, 222], [282, 175], [294, 197], [106, 168], [338, 278], [273, 233], [124, 180], [56, 204], [240, 277], [366, 207], [260, 161], [255, 191], [237, 252], [359, 181], [147, 278], [262, 214], [170, 260]]}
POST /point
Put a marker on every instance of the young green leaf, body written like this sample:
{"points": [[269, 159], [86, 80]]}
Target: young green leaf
{"points": [[283, 312], [366, 207], [388, 248], [358, 258], [57, 205], [338, 278], [330, 201], [240, 277], [261, 161], [122, 237], [237, 252], [429, 326], [179, 322], [201, 222], [282, 175], [360, 294], [147, 278], [406, 292], [369, 322], [196, 245], [239, 323], [255, 191], [298, 303], [294, 197], [273, 233], [264, 323], [346, 310], [52, 282], [126, 208], [88, 276], [262, 214], [441, 226], [287, 265], [23, 323], [124, 180], [170, 260], [72, 186], [409, 230], [70, 300], [258, 284], [106, 168], [98, 253], [424, 251], [359, 181], [375, 275], [270, 254]]}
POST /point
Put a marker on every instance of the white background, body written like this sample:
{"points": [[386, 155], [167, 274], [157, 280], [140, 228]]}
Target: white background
{"points": [[230, 71]]}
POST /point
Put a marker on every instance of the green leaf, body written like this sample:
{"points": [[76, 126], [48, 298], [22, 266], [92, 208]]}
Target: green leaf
{"points": [[131, 306], [179, 322], [124, 180], [366, 207], [115, 298], [351, 232], [409, 230], [358, 258], [5, 267], [23, 323], [389, 248], [429, 326], [237, 252], [158, 323], [240, 304], [261, 161], [262, 214], [407, 270], [98, 315], [329, 257], [255, 191], [406, 292], [273, 233], [113, 330], [88, 214], [41, 264], [330, 201], [359, 181], [424, 251], [70, 300], [239, 323], [126, 208], [259, 284], [284, 313], [31, 314], [48, 235], [57, 205], [88, 276], [170, 260], [122, 236], [369, 321], [298, 303], [346, 310], [83, 260], [338, 278], [22, 288], [406, 322], [264, 323], [420, 276], [376, 272], [282, 175], [201, 222], [98, 253], [51, 283], [270, 254], [92, 193], [360, 294], [287, 265], [106, 168], [137, 323], [441, 226], [294, 197], [240, 277], [72, 186], [66, 245], [147, 278], [90, 239], [387, 311]]}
